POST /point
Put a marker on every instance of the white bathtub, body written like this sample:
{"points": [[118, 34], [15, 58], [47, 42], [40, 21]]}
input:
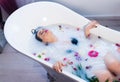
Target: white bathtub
{"points": [[19, 24]]}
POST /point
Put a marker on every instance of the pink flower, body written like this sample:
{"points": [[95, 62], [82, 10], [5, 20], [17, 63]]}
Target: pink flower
{"points": [[64, 59], [118, 45], [93, 53], [47, 59]]}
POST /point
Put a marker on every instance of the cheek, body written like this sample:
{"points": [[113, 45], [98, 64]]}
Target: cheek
{"points": [[46, 34], [49, 33]]}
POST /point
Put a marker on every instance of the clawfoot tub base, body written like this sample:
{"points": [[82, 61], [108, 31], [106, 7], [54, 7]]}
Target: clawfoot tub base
{"points": [[51, 79]]}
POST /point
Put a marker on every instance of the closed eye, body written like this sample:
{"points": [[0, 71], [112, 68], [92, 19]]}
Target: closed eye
{"points": [[42, 32]]}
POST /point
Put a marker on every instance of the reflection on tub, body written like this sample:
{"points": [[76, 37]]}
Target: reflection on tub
{"points": [[83, 57]]}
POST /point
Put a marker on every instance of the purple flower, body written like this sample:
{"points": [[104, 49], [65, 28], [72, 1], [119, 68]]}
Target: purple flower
{"points": [[34, 54], [74, 68], [88, 67], [77, 56]]}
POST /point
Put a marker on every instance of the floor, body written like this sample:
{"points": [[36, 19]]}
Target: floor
{"points": [[15, 67]]}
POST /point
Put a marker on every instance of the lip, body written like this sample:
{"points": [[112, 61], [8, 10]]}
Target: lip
{"points": [[45, 31]]}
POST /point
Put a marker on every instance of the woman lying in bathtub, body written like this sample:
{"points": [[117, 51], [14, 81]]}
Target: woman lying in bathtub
{"points": [[104, 75]]}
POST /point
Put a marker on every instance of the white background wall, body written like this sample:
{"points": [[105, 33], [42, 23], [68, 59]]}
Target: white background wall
{"points": [[86, 8]]}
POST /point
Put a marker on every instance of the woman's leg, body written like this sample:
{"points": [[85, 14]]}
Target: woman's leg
{"points": [[112, 63], [104, 75]]}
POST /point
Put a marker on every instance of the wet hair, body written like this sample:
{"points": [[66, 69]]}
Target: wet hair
{"points": [[35, 31], [36, 37]]}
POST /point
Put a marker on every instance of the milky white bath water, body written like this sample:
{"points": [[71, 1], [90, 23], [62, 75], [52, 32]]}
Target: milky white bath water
{"points": [[81, 56]]}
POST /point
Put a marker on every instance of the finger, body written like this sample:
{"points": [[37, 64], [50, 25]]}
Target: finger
{"points": [[57, 67], [54, 67], [60, 66], [91, 25]]}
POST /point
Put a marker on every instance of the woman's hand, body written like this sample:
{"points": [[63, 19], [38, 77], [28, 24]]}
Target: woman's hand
{"points": [[91, 25], [58, 66]]}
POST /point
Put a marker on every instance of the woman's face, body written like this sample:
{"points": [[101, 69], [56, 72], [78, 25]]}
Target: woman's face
{"points": [[46, 35]]}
